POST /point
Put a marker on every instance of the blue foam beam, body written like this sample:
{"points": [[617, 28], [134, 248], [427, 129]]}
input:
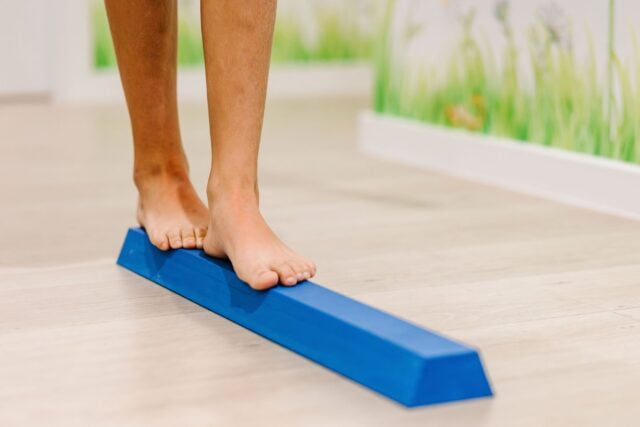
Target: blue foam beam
{"points": [[404, 362]]}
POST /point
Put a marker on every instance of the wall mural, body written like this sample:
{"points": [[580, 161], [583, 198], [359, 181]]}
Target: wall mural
{"points": [[562, 73], [557, 73], [306, 31]]}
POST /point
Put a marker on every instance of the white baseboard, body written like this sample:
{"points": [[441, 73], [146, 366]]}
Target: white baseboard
{"points": [[285, 81], [578, 179], [321, 80]]}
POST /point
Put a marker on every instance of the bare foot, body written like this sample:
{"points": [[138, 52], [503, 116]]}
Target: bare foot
{"points": [[171, 212], [238, 231]]}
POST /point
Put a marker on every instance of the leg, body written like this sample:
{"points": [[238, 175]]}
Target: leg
{"points": [[145, 37], [237, 44]]}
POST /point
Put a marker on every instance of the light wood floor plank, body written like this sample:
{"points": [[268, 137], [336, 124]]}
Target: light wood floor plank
{"points": [[549, 293]]}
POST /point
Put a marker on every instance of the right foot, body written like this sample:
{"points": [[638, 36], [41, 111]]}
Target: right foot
{"points": [[171, 212], [238, 231]]}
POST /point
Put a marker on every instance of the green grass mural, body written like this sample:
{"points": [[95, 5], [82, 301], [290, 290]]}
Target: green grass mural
{"points": [[569, 103], [336, 39]]}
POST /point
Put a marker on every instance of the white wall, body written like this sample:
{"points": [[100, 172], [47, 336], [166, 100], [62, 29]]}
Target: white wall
{"points": [[24, 47], [427, 32]]}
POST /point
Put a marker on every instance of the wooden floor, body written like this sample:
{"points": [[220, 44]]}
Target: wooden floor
{"points": [[549, 293]]}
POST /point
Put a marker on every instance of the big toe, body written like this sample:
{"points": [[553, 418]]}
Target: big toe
{"points": [[262, 280], [159, 240]]}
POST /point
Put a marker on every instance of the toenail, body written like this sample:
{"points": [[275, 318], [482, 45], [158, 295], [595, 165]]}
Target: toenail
{"points": [[290, 280], [307, 275]]}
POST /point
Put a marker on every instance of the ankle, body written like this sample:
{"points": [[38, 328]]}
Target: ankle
{"points": [[230, 194], [148, 173]]}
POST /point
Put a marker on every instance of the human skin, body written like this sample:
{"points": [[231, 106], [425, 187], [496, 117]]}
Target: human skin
{"points": [[237, 46]]}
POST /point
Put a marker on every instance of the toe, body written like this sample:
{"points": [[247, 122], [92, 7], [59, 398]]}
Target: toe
{"points": [[175, 241], [306, 267], [264, 279], [299, 268], [200, 233], [188, 238], [310, 268], [286, 274], [159, 241]]}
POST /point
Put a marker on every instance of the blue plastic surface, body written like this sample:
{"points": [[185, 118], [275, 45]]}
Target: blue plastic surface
{"points": [[404, 362]]}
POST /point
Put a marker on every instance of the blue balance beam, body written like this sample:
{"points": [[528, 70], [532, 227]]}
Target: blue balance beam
{"points": [[404, 362]]}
